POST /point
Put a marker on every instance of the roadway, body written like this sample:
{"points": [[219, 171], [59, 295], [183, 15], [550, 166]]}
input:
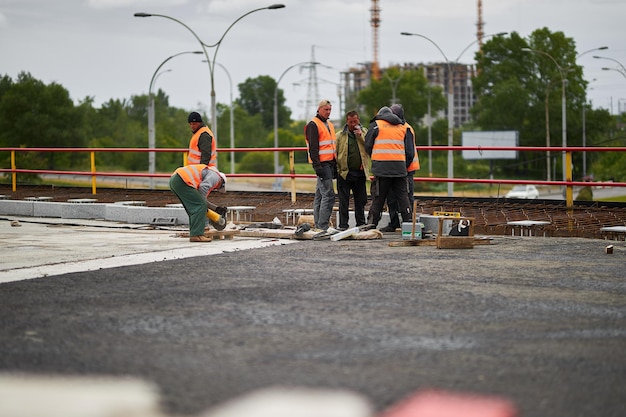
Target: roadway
{"points": [[537, 321]]}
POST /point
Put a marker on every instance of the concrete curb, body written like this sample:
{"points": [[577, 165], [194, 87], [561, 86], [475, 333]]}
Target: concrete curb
{"points": [[117, 212]]}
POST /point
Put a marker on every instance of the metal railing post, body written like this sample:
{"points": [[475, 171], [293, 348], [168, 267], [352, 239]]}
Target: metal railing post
{"points": [[93, 171], [292, 171]]}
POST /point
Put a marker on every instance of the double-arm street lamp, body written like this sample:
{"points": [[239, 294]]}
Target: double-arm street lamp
{"points": [[566, 170], [394, 85], [276, 110], [151, 130], [548, 157], [450, 99], [563, 105], [621, 69], [216, 45], [232, 120]]}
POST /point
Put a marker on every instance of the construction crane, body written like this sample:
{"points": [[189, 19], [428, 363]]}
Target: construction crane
{"points": [[375, 22]]}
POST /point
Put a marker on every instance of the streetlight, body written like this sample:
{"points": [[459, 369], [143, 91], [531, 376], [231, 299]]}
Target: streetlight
{"points": [[563, 105], [601, 48], [394, 85], [216, 46], [151, 129], [450, 99], [585, 137], [615, 69], [232, 121], [151, 132], [276, 110], [623, 69]]}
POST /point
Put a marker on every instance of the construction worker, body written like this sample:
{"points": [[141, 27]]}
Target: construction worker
{"points": [[320, 140], [192, 184], [412, 166], [353, 165], [390, 147], [203, 145]]}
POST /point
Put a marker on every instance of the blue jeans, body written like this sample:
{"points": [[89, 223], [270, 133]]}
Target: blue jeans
{"points": [[324, 199]]}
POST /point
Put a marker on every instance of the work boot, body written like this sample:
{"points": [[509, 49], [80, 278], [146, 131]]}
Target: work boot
{"points": [[388, 229], [200, 238]]}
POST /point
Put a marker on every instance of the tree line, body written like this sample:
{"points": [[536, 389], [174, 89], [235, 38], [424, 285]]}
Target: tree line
{"points": [[516, 90]]}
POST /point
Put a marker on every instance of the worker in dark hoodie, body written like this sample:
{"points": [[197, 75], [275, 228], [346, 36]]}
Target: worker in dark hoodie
{"points": [[412, 166], [390, 147]]}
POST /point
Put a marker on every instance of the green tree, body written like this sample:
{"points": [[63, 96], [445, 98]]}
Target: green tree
{"points": [[34, 114], [519, 87], [411, 90], [256, 96]]}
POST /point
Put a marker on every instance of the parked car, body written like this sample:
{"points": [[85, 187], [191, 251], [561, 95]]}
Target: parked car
{"points": [[527, 191]]}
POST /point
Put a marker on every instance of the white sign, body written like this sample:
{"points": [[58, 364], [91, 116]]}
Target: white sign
{"points": [[505, 138]]}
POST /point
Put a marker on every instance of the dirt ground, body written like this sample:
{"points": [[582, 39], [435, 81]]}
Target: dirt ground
{"points": [[491, 215], [268, 204]]}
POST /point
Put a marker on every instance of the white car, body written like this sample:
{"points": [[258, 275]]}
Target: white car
{"points": [[527, 191]]}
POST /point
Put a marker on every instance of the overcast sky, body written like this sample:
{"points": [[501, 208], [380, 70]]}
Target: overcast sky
{"points": [[97, 48]]}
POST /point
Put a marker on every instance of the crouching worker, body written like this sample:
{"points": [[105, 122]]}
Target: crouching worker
{"points": [[192, 184]]}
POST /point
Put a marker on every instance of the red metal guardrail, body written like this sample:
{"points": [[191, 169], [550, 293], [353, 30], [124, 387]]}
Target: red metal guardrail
{"points": [[292, 175]]}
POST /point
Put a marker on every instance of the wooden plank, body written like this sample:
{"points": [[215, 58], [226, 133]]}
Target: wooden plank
{"points": [[221, 234], [455, 242]]}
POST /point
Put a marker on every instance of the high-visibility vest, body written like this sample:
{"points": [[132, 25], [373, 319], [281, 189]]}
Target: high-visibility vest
{"points": [[194, 153], [327, 137], [415, 163], [389, 143], [191, 174]]}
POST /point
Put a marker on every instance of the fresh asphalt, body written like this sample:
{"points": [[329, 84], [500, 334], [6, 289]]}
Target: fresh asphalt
{"points": [[539, 321]]}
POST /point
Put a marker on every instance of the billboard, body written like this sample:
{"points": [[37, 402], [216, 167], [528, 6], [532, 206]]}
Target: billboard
{"points": [[490, 138]]}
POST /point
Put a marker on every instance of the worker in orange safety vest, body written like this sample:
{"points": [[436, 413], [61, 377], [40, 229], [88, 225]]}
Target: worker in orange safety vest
{"points": [[412, 166], [203, 144], [192, 184], [390, 147]]}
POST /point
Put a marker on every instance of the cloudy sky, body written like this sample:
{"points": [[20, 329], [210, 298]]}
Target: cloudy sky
{"points": [[98, 49]]}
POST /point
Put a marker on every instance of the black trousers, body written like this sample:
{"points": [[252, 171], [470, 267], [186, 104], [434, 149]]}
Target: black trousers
{"points": [[397, 187], [356, 184], [392, 203]]}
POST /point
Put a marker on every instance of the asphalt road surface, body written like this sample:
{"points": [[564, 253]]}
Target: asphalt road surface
{"points": [[539, 321]]}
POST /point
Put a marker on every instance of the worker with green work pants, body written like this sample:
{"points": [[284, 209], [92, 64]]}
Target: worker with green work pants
{"points": [[192, 184]]}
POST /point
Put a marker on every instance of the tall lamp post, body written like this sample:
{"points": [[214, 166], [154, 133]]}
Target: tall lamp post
{"points": [[276, 110], [216, 45], [232, 121], [394, 85], [450, 99], [151, 130], [563, 106]]}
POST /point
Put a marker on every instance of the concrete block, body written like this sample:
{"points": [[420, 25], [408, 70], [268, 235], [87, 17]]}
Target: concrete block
{"points": [[70, 210], [143, 215], [17, 208]]}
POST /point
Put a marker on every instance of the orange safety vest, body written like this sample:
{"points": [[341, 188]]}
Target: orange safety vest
{"points": [[389, 144], [191, 174], [193, 155], [327, 147], [415, 163]]}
